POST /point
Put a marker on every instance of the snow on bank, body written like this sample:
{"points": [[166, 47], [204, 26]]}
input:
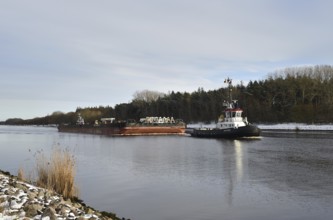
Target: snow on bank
{"points": [[297, 126], [285, 126], [23, 201]]}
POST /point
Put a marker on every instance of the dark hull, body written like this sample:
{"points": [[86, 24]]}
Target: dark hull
{"points": [[232, 133]]}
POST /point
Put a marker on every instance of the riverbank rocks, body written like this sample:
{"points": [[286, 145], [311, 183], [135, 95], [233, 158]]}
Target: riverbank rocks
{"points": [[20, 200]]}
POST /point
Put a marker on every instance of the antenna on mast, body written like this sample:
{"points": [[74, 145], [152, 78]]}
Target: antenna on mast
{"points": [[229, 82]]}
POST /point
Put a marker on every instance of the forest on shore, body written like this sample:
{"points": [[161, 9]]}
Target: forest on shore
{"points": [[295, 94]]}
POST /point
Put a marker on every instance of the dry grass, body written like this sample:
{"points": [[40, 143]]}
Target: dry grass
{"points": [[58, 173], [20, 174]]}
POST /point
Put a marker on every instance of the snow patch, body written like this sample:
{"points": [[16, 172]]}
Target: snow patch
{"points": [[297, 126]]}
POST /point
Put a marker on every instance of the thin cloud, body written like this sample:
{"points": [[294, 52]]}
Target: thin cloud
{"points": [[83, 53]]}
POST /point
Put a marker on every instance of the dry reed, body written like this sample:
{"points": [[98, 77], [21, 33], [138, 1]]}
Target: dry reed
{"points": [[57, 174], [20, 174]]}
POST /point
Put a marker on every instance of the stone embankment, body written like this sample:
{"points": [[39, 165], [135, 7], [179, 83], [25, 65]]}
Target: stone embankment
{"points": [[20, 200]]}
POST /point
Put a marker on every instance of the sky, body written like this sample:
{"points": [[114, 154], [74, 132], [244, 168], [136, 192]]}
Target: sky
{"points": [[58, 55]]}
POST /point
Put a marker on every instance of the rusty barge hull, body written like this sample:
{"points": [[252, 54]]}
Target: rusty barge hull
{"points": [[125, 131], [158, 130]]}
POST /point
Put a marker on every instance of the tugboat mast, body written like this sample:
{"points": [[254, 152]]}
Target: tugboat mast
{"points": [[229, 82]]}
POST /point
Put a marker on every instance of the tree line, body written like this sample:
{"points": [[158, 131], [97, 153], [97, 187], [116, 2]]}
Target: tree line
{"points": [[295, 94]]}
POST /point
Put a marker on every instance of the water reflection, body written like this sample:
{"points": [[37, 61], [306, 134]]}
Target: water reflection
{"points": [[239, 159], [233, 160]]}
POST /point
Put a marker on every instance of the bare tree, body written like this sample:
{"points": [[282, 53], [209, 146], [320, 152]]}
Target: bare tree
{"points": [[147, 95]]}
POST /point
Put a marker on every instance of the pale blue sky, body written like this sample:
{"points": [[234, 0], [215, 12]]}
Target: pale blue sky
{"points": [[58, 55]]}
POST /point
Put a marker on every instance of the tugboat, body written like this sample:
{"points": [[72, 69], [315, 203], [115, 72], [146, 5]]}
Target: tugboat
{"points": [[230, 125]]}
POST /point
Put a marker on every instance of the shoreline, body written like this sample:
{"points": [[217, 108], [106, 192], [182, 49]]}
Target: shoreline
{"points": [[278, 126], [297, 127], [23, 200]]}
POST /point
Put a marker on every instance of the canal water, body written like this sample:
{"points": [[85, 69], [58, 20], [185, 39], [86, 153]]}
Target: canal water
{"points": [[280, 176]]}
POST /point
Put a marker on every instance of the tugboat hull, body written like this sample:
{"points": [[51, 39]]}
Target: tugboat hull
{"points": [[232, 133]]}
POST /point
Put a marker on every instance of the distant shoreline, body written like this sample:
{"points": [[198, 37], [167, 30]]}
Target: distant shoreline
{"points": [[280, 126], [297, 127]]}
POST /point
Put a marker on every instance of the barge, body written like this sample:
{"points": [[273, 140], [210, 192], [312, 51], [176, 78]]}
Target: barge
{"points": [[112, 127]]}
